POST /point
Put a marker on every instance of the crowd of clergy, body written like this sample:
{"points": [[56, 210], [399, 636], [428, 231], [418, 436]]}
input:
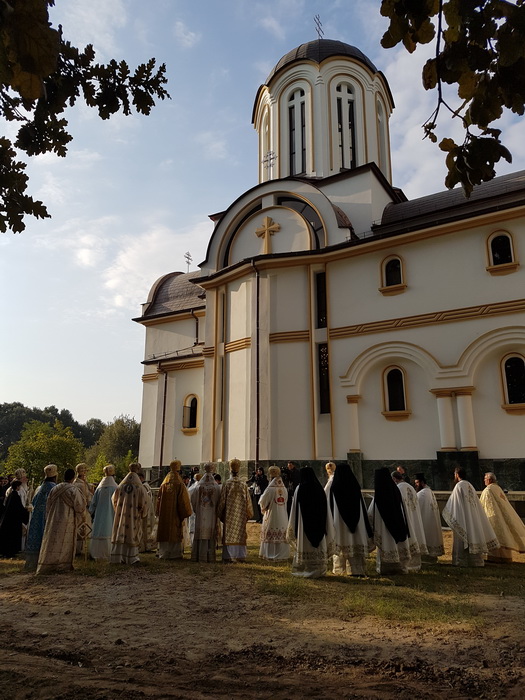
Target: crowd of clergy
{"points": [[319, 528]]}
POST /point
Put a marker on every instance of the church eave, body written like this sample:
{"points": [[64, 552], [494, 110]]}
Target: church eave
{"points": [[168, 315]]}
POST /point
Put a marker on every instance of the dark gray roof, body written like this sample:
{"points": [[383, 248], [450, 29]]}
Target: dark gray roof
{"points": [[175, 292], [318, 51], [500, 193]]}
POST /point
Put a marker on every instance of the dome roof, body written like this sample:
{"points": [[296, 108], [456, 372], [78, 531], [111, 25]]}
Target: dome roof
{"points": [[318, 51], [173, 293]]}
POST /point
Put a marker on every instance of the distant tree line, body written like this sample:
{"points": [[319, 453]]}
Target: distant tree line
{"points": [[33, 437]]}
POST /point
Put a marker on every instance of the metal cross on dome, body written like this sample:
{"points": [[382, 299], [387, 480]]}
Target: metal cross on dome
{"points": [[318, 26], [269, 228]]}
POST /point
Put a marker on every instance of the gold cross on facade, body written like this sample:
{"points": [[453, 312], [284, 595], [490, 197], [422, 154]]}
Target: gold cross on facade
{"points": [[268, 228]]}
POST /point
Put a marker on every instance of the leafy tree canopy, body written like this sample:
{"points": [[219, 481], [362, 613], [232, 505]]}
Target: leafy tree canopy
{"points": [[480, 47], [118, 445], [41, 74], [41, 444]]}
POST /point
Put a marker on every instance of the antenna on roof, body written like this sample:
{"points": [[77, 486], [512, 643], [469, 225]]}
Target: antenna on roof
{"points": [[318, 26], [189, 259]]}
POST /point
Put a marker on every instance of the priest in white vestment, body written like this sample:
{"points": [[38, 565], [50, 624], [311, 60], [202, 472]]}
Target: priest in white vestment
{"points": [[330, 468], [506, 523], [431, 519], [102, 513], [416, 533], [234, 510], [129, 501], [204, 501], [310, 529], [65, 508], [85, 527], [149, 520], [273, 504], [474, 536], [353, 533], [389, 524]]}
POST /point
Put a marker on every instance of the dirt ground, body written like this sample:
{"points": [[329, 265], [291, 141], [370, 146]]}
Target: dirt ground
{"points": [[192, 631]]}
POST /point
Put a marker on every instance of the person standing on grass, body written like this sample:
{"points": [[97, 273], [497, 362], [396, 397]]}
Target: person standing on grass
{"points": [[473, 535], [234, 510], [275, 519], [64, 512], [353, 534], [430, 518], [35, 531], [204, 501], [103, 513], [389, 525], [129, 501], [15, 515], [506, 523], [173, 507], [416, 533], [310, 530]]}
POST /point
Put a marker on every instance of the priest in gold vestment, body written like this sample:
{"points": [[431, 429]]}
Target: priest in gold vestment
{"points": [[234, 510], [130, 503], [173, 507], [506, 523]]}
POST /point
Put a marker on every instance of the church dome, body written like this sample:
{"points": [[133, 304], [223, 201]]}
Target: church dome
{"points": [[318, 51]]}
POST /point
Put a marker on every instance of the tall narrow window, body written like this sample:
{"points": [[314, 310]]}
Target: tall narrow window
{"points": [[382, 138], [324, 378], [501, 250], [320, 298], [393, 272], [394, 394], [514, 371], [297, 132], [189, 413], [345, 126]]}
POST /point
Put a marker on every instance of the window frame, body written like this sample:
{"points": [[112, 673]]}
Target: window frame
{"points": [[190, 429], [516, 407], [392, 289], [398, 414], [501, 268]]}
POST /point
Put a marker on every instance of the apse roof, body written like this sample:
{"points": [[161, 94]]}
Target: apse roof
{"points": [[318, 51], [175, 292]]}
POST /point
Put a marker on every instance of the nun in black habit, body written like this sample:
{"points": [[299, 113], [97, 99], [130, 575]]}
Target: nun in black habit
{"points": [[389, 525], [310, 530]]}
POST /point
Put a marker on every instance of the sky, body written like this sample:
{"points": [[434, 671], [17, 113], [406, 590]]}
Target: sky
{"points": [[134, 194]]}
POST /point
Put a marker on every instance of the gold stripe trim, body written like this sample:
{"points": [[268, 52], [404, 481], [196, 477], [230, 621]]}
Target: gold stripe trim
{"points": [[209, 351], [241, 344], [290, 337], [504, 307], [150, 377], [182, 364]]}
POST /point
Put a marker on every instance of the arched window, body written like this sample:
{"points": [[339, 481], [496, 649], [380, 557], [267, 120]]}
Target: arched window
{"points": [[394, 394], [502, 259], [392, 277], [297, 132], [189, 414], [513, 369], [345, 121]]}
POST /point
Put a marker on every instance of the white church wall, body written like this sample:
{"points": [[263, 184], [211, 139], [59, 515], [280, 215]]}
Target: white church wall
{"points": [[289, 300], [291, 401], [238, 321], [499, 434], [416, 437], [237, 413], [178, 445], [167, 338]]}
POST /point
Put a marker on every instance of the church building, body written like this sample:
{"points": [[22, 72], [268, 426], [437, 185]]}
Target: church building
{"points": [[333, 319]]}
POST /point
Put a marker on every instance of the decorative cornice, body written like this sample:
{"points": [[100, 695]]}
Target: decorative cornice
{"points": [[290, 337], [174, 365], [353, 398], [453, 391], [153, 376], [171, 317], [241, 344], [504, 307], [504, 269]]}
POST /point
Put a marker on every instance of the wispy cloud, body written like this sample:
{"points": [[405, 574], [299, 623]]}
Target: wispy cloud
{"points": [[95, 22], [185, 37], [213, 145], [143, 259]]}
